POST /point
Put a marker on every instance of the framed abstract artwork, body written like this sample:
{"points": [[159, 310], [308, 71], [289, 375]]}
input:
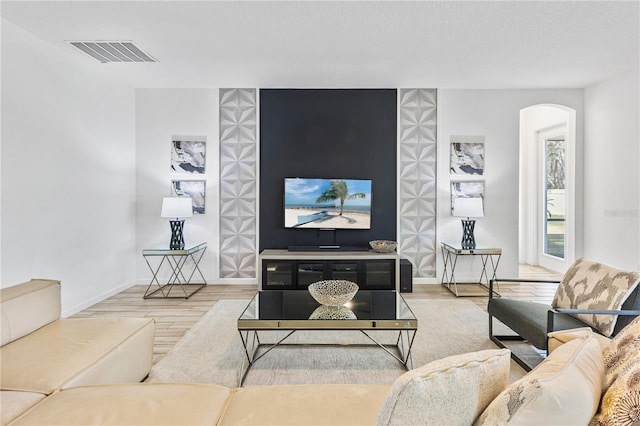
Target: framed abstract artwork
{"points": [[467, 155], [196, 189], [188, 154], [466, 189]]}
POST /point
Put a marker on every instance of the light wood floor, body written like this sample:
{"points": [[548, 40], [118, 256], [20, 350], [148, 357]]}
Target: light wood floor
{"points": [[174, 317]]}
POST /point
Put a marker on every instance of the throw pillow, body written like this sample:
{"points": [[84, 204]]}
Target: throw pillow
{"points": [[452, 390], [625, 344], [593, 285], [621, 400], [564, 389]]}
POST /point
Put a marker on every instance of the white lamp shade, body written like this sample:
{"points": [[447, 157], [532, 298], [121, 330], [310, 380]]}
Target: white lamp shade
{"points": [[176, 207], [468, 207]]}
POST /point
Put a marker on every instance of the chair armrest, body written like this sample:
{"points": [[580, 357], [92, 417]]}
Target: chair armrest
{"points": [[566, 311], [517, 280], [557, 338], [524, 280]]}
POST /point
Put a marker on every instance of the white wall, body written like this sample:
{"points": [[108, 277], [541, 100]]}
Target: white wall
{"points": [[612, 179], [161, 114], [494, 114], [68, 177], [84, 171]]}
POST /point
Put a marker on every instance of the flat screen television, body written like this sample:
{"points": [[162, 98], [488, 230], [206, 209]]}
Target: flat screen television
{"points": [[327, 203]]}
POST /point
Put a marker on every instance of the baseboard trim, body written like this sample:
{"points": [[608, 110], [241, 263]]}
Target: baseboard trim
{"points": [[425, 281], [99, 298]]}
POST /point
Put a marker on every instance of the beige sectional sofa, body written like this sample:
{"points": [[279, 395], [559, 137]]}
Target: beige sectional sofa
{"points": [[42, 353], [584, 379]]}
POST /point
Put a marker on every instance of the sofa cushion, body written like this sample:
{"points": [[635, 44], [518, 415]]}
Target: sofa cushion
{"points": [[75, 352], [564, 389], [593, 285], [305, 405], [15, 403], [28, 306], [452, 390], [131, 404]]}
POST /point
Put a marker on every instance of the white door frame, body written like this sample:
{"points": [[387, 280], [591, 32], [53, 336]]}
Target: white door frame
{"points": [[532, 189]]}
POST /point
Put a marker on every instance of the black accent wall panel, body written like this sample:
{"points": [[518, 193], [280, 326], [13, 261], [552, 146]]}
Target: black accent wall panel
{"points": [[327, 133]]}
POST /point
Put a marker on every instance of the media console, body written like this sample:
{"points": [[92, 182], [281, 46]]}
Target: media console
{"points": [[324, 248], [285, 269]]}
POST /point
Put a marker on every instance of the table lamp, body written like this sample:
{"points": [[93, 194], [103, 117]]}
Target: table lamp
{"points": [[468, 207], [177, 208]]}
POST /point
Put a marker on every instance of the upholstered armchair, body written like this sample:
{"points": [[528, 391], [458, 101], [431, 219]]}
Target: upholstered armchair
{"points": [[590, 294]]}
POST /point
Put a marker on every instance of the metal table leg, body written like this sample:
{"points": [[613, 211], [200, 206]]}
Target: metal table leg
{"points": [[177, 277]]}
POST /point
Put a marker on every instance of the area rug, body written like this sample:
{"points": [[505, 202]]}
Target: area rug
{"points": [[212, 352]]}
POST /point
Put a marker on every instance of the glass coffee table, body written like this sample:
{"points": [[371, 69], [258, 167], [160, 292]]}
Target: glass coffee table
{"points": [[295, 310]]}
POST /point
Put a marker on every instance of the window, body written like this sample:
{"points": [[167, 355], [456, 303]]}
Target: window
{"points": [[554, 233]]}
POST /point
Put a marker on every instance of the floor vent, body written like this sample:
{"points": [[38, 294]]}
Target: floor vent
{"points": [[113, 51]]}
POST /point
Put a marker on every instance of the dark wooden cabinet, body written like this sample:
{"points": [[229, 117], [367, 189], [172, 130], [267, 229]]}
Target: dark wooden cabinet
{"points": [[278, 275], [309, 272], [377, 273], [281, 269], [347, 270]]}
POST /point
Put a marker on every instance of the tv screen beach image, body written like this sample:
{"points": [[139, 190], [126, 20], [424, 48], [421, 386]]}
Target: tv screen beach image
{"points": [[327, 203]]}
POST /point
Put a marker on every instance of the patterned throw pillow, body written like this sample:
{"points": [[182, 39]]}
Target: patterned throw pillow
{"points": [[593, 285], [621, 401], [564, 389], [621, 347], [620, 404], [448, 391]]}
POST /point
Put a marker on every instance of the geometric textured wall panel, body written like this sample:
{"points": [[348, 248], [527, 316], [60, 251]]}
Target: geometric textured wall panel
{"points": [[238, 183], [417, 196]]}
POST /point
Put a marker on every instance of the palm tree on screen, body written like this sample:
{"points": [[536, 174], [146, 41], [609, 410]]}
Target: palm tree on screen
{"points": [[339, 191]]}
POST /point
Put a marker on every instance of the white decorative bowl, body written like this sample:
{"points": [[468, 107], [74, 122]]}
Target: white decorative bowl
{"points": [[383, 246], [333, 292]]}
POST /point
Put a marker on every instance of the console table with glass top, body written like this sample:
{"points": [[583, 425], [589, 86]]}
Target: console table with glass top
{"points": [[450, 254], [295, 310], [176, 260]]}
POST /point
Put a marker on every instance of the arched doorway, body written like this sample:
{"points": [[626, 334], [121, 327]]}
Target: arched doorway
{"points": [[547, 225]]}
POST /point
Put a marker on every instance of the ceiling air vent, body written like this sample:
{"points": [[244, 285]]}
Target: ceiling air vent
{"points": [[113, 51]]}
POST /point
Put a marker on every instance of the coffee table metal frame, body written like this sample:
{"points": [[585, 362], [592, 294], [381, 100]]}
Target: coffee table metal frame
{"points": [[400, 350]]}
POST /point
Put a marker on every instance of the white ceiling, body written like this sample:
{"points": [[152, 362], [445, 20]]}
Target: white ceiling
{"points": [[443, 44]]}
